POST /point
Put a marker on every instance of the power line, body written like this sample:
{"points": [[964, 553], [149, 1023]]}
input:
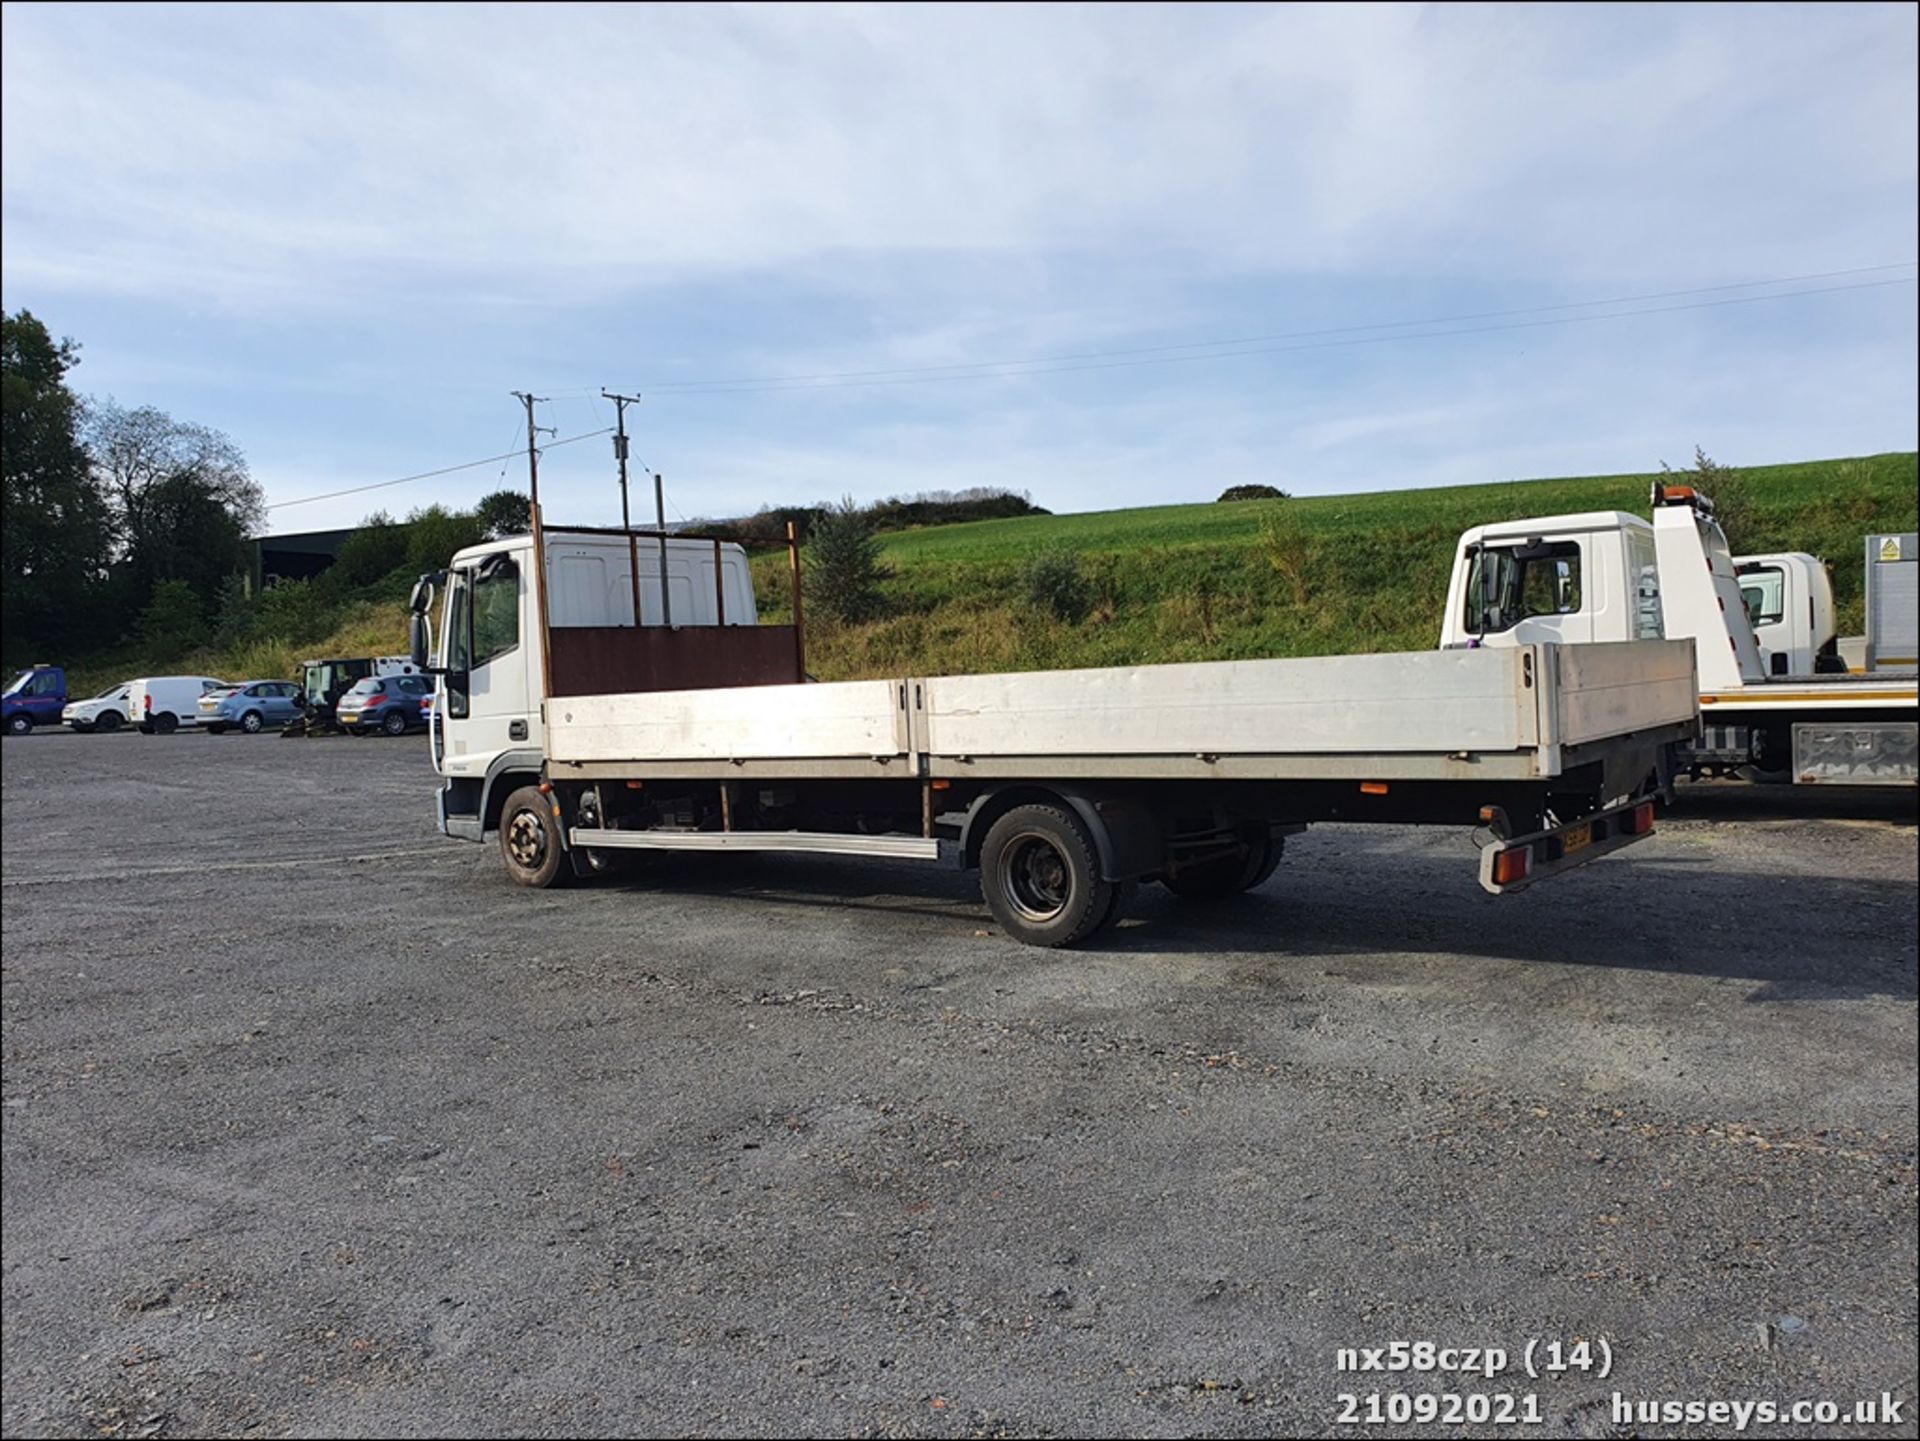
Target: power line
{"points": [[997, 367], [430, 474], [1042, 367]]}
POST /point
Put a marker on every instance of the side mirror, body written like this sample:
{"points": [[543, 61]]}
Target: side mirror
{"points": [[418, 637], [421, 601]]}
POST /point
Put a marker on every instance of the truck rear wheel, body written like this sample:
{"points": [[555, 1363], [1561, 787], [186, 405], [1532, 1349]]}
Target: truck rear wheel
{"points": [[1229, 875], [530, 840], [1040, 875], [166, 723]]}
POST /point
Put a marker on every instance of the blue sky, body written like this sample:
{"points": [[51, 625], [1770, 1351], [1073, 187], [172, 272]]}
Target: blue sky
{"points": [[344, 234]]}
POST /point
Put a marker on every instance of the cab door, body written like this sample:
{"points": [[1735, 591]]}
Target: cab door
{"points": [[489, 703]]}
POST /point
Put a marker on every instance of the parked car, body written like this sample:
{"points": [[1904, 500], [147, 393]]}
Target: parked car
{"points": [[162, 704], [251, 706], [35, 697], [105, 712], [390, 703]]}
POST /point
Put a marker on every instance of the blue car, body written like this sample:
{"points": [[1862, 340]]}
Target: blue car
{"points": [[251, 707]]}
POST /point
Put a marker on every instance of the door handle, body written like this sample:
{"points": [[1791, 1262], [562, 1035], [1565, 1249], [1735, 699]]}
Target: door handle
{"points": [[517, 730]]}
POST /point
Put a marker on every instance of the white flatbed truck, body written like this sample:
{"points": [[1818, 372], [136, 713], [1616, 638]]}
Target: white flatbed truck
{"points": [[575, 727]]}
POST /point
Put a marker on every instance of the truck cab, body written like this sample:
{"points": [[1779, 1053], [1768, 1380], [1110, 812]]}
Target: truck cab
{"points": [[487, 725], [36, 696], [1789, 604]]}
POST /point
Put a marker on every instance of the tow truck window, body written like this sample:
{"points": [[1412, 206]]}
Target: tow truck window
{"points": [[1764, 590], [1527, 581]]}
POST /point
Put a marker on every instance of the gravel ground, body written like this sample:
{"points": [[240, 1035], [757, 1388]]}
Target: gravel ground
{"points": [[314, 1125]]}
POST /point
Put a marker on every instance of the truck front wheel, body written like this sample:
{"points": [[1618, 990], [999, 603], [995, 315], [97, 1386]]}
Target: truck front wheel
{"points": [[1040, 875], [530, 840], [20, 724]]}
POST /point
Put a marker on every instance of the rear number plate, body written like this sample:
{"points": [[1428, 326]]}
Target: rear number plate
{"points": [[1575, 838]]}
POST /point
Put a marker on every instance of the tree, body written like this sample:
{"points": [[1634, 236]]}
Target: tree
{"points": [[1254, 492], [181, 498], [174, 620], [434, 533], [1728, 489], [373, 552], [53, 527], [843, 565], [504, 513]]}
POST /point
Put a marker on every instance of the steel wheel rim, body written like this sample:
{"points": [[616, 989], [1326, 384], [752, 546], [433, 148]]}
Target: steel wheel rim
{"points": [[1035, 877], [526, 840]]}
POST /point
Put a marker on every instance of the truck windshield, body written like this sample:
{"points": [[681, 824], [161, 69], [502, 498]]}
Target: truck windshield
{"points": [[19, 683], [1510, 584]]}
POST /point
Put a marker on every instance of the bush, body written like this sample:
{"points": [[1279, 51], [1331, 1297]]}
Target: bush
{"points": [[1254, 492], [843, 566], [1054, 583], [172, 621]]}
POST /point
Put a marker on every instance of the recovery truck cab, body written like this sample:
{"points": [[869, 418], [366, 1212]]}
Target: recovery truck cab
{"points": [[1611, 576]]}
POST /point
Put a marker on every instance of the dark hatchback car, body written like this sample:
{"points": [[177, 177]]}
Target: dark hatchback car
{"points": [[386, 703]]}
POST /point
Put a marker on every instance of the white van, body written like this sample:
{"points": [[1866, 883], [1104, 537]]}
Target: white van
{"points": [[162, 704]]}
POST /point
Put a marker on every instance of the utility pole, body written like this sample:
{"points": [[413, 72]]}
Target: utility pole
{"points": [[620, 404], [539, 546]]}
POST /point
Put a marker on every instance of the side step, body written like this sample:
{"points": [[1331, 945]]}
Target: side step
{"points": [[903, 848]]}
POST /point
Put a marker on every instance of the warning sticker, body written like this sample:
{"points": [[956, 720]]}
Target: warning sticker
{"points": [[1890, 547]]}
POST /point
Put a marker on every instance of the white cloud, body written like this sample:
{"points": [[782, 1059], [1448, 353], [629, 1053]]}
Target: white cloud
{"points": [[342, 154]]}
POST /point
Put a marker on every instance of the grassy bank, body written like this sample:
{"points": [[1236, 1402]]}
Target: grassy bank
{"points": [[1313, 576]]}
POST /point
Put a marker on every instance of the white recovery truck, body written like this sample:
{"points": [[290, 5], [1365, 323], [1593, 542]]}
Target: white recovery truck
{"points": [[1792, 713], [575, 726]]}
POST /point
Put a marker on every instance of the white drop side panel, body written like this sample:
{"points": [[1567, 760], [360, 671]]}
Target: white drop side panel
{"points": [[1451, 700], [840, 720], [1611, 689]]}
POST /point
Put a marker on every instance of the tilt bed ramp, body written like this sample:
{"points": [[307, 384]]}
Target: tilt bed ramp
{"points": [[1066, 787]]}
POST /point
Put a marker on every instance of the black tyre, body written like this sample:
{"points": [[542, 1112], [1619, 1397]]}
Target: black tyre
{"points": [[19, 725], [145, 728], [110, 720], [530, 840], [82, 728], [166, 723], [252, 722], [216, 730], [1040, 875], [395, 724], [1229, 875]]}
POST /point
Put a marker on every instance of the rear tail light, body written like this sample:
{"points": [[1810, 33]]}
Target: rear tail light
{"points": [[371, 701], [1639, 820], [1513, 865], [146, 702]]}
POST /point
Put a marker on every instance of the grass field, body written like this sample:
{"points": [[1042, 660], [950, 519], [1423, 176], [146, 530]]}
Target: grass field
{"points": [[1314, 576], [1311, 576]]}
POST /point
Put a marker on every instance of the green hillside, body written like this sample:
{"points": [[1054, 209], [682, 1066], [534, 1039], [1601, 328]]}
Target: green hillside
{"points": [[1310, 576], [1313, 576]]}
